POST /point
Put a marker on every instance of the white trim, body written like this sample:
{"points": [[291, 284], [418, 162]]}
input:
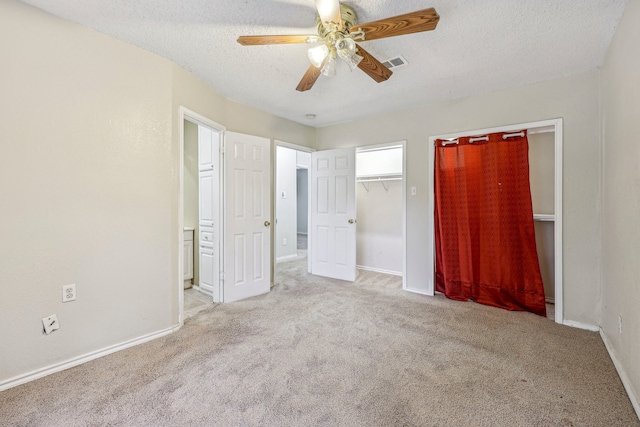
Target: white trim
{"points": [[382, 146], [186, 114], [203, 290], [70, 363], [417, 291], [286, 257], [544, 217], [404, 215], [507, 128], [543, 126], [557, 224], [580, 325], [379, 270], [389, 145], [621, 373], [294, 146]]}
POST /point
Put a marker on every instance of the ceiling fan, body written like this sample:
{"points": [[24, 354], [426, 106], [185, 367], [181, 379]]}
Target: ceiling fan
{"points": [[338, 31]]}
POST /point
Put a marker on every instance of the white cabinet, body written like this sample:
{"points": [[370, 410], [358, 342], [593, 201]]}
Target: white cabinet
{"points": [[187, 257], [208, 191], [207, 269], [206, 148], [208, 239]]}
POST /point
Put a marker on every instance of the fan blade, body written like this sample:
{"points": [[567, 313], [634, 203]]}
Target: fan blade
{"points": [[310, 77], [414, 22], [263, 40], [372, 67], [329, 11]]}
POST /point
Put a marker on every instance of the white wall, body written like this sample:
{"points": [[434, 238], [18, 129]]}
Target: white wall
{"points": [[286, 203], [87, 165], [302, 190], [575, 99], [621, 199], [379, 242], [89, 186], [303, 163]]}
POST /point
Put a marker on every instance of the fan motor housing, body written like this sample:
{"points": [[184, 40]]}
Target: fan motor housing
{"points": [[349, 19]]}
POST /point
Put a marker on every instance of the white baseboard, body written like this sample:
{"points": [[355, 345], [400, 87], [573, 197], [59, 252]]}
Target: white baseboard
{"points": [[43, 372], [203, 290], [379, 270], [418, 291], [286, 257], [580, 325], [550, 300], [621, 373]]}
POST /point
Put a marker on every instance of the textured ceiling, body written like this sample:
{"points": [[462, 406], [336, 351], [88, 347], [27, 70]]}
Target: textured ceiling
{"points": [[478, 47]]}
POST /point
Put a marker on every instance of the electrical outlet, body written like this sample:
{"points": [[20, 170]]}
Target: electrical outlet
{"points": [[284, 241], [69, 293], [283, 195], [620, 324], [50, 324], [414, 191]]}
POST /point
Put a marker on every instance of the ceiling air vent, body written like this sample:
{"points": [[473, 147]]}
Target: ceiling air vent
{"points": [[396, 62]]}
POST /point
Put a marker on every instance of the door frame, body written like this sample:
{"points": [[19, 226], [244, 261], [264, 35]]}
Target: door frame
{"points": [[187, 114], [279, 143], [551, 125], [373, 147]]}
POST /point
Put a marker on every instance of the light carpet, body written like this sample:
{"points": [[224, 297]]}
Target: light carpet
{"points": [[321, 352]]}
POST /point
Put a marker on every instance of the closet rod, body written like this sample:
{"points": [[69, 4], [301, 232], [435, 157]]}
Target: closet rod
{"points": [[480, 138], [534, 131], [379, 179], [548, 129], [510, 135]]}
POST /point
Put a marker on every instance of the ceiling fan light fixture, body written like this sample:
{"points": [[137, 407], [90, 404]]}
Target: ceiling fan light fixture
{"points": [[329, 11], [352, 61], [318, 54], [329, 68], [346, 44]]}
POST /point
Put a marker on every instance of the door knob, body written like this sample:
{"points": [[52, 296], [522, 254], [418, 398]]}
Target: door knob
{"points": [[351, 221], [267, 223]]}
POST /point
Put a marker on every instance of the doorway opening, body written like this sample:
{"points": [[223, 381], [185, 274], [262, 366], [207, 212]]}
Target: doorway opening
{"points": [[377, 191], [380, 204], [291, 240], [199, 213]]}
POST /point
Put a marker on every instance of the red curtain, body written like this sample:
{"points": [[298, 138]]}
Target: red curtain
{"points": [[485, 240]]}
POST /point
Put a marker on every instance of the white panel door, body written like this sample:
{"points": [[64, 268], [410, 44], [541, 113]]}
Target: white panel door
{"points": [[247, 216], [333, 214]]}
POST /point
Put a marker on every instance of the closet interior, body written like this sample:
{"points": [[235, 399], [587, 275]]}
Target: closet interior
{"points": [[542, 178], [380, 204]]}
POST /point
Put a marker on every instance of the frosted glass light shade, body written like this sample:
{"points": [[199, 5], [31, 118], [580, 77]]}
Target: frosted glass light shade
{"points": [[353, 61], [329, 11], [346, 45], [317, 55], [329, 68]]}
